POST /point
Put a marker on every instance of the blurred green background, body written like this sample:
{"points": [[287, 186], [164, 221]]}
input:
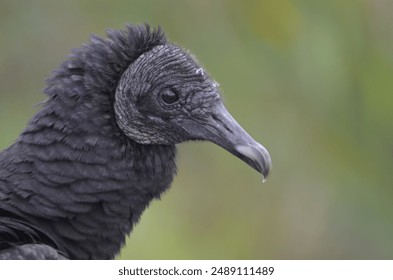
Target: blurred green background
{"points": [[311, 80]]}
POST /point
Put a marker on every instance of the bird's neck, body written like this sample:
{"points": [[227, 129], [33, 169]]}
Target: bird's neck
{"points": [[72, 170], [91, 183]]}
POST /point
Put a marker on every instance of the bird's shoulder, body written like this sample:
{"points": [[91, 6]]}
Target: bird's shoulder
{"points": [[31, 252], [20, 239]]}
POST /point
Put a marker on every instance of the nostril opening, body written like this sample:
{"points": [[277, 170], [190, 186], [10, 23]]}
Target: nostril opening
{"points": [[218, 120]]}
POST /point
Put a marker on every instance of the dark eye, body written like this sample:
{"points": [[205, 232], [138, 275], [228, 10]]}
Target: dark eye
{"points": [[169, 96]]}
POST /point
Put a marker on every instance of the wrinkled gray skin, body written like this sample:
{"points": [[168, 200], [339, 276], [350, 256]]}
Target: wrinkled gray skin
{"points": [[102, 147]]}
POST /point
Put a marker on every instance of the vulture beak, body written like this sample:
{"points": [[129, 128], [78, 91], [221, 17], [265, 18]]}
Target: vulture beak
{"points": [[222, 129]]}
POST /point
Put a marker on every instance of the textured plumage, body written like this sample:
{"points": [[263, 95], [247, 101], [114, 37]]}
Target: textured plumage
{"points": [[103, 145]]}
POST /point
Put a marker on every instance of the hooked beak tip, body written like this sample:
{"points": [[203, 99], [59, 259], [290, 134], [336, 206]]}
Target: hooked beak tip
{"points": [[258, 157]]}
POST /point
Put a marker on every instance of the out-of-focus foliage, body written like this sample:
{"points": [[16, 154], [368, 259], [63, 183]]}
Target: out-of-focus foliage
{"points": [[311, 80]]}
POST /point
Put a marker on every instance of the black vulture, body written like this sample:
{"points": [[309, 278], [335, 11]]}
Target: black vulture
{"points": [[102, 146]]}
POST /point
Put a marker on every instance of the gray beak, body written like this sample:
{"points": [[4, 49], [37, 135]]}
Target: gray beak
{"points": [[222, 129]]}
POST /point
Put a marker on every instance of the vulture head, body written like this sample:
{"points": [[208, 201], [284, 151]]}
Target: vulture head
{"points": [[166, 97]]}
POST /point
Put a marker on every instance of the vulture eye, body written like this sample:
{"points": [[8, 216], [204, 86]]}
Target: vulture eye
{"points": [[169, 96]]}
